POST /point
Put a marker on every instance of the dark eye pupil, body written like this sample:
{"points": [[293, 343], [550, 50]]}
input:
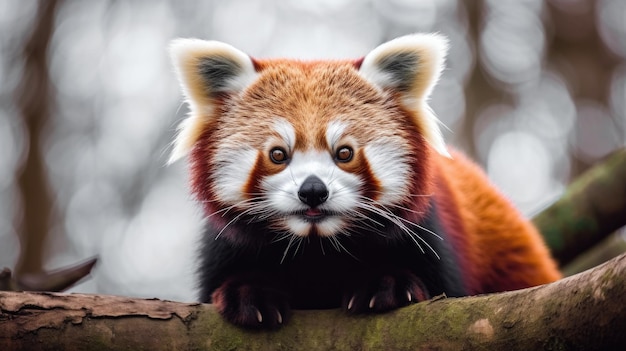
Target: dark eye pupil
{"points": [[344, 154], [278, 155]]}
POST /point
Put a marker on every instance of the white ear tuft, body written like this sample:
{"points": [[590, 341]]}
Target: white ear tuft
{"points": [[411, 66], [206, 70]]}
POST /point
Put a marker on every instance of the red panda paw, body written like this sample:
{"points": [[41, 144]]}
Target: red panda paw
{"points": [[251, 305], [385, 292]]}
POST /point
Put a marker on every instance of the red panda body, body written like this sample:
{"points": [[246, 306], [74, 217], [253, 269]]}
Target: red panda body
{"points": [[327, 184]]}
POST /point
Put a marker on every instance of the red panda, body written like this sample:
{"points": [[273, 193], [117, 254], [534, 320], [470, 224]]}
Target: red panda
{"points": [[327, 184]]}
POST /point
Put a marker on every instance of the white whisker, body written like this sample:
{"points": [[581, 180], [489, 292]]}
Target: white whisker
{"points": [[376, 208], [322, 247], [291, 239]]}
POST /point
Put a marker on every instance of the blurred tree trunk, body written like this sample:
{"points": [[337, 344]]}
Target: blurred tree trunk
{"points": [[34, 103], [582, 312]]}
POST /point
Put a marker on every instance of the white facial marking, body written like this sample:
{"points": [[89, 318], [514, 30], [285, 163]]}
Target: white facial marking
{"points": [[388, 163], [232, 169], [286, 132], [330, 226], [298, 226], [334, 132]]}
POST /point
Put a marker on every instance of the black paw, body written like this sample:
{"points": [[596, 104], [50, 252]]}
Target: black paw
{"points": [[251, 305], [384, 292]]}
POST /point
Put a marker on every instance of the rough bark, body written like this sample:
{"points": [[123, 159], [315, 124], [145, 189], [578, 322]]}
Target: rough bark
{"points": [[582, 312], [593, 207]]}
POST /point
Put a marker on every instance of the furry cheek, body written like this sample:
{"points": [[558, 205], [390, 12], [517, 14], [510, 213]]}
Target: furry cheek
{"points": [[233, 168], [281, 192], [345, 192], [387, 162]]}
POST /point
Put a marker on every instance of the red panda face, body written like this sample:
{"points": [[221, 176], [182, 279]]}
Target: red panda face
{"points": [[311, 148], [304, 144]]}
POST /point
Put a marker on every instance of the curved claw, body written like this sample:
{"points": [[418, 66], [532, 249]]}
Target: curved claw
{"points": [[279, 317], [351, 303], [259, 316], [372, 302]]}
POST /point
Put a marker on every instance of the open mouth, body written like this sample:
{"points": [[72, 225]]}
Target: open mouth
{"points": [[314, 215]]}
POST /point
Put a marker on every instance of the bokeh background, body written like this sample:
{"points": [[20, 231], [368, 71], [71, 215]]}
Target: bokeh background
{"points": [[535, 91]]}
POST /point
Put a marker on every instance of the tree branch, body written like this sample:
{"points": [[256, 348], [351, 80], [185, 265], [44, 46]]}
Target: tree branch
{"points": [[593, 207], [582, 312]]}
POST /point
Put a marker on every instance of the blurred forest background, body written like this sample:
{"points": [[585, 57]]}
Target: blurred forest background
{"points": [[534, 90]]}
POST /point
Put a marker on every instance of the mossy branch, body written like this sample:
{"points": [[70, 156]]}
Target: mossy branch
{"points": [[593, 207]]}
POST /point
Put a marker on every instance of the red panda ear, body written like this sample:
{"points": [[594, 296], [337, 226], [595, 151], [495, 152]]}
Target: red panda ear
{"points": [[411, 66], [206, 70]]}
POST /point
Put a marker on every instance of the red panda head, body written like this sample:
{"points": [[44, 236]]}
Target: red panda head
{"points": [[310, 147]]}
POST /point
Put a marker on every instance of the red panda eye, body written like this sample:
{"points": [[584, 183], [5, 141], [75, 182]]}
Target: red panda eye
{"points": [[344, 154], [278, 155]]}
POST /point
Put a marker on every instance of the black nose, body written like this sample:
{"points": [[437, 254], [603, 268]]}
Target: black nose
{"points": [[313, 191]]}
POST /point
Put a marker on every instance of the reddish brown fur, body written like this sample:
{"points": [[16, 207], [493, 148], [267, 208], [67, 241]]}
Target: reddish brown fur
{"points": [[497, 249], [500, 249], [200, 167], [309, 95]]}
